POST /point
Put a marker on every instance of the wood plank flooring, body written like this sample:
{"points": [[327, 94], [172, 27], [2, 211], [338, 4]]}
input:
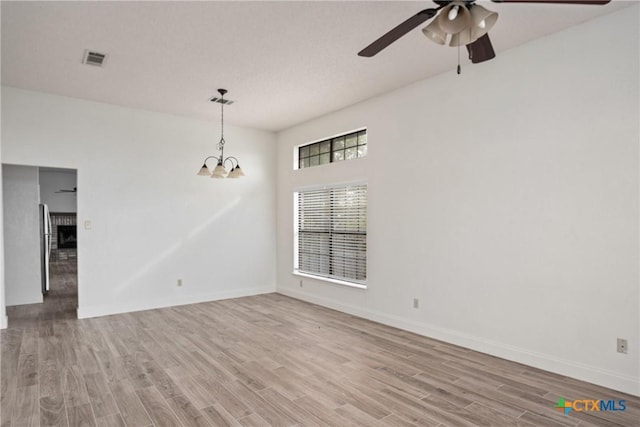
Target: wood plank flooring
{"points": [[259, 361]]}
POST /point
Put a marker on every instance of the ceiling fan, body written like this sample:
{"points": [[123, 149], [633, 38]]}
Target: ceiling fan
{"points": [[462, 22], [75, 190]]}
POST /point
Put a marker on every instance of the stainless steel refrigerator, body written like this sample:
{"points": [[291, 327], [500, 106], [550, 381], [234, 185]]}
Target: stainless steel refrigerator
{"points": [[45, 245]]}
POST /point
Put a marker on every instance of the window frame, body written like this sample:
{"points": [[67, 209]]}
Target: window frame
{"points": [[345, 281], [332, 143]]}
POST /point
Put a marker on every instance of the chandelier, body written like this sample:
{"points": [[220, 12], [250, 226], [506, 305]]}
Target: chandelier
{"points": [[220, 171]]}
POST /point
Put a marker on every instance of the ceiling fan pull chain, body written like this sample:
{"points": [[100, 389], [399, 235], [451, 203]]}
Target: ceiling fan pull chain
{"points": [[459, 69]]}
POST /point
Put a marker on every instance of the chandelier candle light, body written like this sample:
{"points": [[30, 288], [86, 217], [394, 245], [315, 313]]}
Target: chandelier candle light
{"points": [[220, 171]]}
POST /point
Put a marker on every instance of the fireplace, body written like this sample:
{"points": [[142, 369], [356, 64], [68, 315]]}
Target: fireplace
{"points": [[67, 237]]}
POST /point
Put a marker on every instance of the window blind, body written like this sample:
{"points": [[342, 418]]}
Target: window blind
{"points": [[332, 233]]}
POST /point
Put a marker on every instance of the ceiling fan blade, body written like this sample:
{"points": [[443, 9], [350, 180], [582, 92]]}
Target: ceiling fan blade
{"points": [[590, 2], [397, 32], [481, 50]]}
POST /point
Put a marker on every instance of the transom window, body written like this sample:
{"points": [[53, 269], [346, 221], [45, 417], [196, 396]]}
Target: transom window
{"points": [[331, 238], [344, 147]]}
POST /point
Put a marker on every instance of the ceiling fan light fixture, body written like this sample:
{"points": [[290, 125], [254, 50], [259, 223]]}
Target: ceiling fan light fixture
{"points": [[461, 20], [482, 21], [453, 13], [434, 33], [462, 38], [454, 16]]}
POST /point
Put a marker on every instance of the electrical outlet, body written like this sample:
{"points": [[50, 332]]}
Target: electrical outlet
{"points": [[622, 345], [301, 283], [416, 303], [179, 282]]}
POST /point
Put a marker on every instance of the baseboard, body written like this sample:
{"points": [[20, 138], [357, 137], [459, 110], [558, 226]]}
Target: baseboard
{"points": [[27, 301], [583, 372], [109, 309], [4, 321]]}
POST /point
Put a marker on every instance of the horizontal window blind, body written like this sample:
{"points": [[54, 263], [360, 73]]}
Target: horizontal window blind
{"points": [[332, 233]]}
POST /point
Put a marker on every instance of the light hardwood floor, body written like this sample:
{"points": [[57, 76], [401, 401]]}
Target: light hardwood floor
{"points": [[263, 360]]}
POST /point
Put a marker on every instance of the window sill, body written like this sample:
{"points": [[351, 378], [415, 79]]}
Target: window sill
{"points": [[330, 280]]}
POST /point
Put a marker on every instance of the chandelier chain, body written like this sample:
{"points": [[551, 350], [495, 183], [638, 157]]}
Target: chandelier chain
{"points": [[221, 143]]}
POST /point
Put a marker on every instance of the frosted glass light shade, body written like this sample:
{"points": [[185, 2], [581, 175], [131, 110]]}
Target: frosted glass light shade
{"points": [[462, 38], [236, 172], [478, 15], [219, 171], [204, 171], [459, 23], [434, 33]]}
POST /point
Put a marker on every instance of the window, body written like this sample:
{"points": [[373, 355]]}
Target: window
{"points": [[332, 233], [344, 147]]}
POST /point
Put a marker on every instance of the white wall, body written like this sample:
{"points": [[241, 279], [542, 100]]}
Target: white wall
{"points": [[23, 278], [153, 221], [51, 182], [3, 311], [505, 199]]}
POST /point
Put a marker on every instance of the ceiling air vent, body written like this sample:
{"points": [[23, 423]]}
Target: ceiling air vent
{"points": [[93, 58], [219, 100]]}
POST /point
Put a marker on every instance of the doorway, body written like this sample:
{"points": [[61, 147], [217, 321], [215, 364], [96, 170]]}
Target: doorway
{"points": [[40, 210]]}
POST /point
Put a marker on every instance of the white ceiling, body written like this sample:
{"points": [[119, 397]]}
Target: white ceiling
{"points": [[282, 62]]}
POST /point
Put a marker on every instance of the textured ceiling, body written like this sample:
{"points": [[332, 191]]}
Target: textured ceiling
{"points": [[282, 62]]}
